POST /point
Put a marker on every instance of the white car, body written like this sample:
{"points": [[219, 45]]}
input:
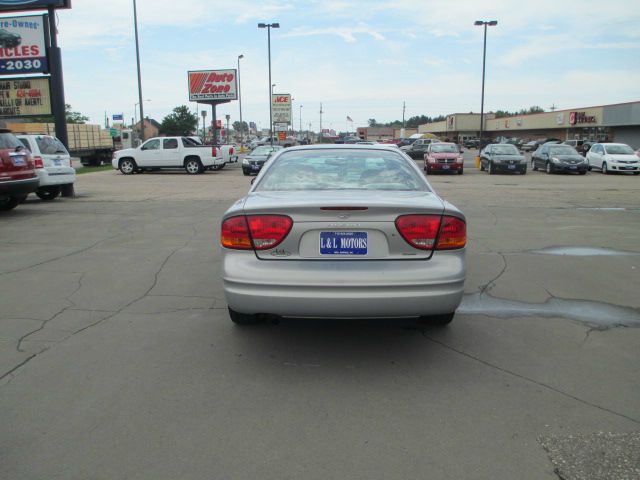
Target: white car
{"points": [[53, 164], [613, 157]]}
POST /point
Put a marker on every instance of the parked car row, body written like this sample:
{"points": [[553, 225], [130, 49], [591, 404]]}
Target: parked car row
{"points": [[32, 164]]}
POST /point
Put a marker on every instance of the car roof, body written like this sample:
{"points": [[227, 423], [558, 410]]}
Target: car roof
{"points": [[345, 146]]}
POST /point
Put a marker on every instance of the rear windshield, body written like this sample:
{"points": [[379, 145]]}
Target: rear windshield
{"points": [[9, 140], [334, 169], [50, 145]]}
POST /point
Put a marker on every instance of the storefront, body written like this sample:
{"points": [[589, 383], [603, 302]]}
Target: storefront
{"points": [[613, 123]]}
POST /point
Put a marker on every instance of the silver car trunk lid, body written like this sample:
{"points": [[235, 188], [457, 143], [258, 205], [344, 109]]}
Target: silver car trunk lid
{"points": [[363, 222]]}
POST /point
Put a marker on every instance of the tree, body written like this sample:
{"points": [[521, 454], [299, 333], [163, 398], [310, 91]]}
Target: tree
{"points": [[244, 128], [180, 122], [372, 122], [74, 117]]}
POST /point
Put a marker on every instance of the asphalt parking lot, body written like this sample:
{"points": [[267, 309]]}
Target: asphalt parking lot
{"points": [[118, 359]]}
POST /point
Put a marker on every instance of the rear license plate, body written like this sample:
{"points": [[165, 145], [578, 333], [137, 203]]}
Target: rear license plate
{"points": [[19, 161], [57, 163], [343, 243], [573, 167], [445, 167], [512, 167]]}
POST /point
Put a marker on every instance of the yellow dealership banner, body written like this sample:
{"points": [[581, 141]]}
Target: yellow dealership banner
{"points": [[25, 96]]}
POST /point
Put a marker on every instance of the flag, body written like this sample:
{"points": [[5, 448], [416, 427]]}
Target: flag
{"points": [[349, 119]]}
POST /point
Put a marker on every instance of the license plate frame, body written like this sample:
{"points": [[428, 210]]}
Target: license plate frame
{"points": [[343, 243]]}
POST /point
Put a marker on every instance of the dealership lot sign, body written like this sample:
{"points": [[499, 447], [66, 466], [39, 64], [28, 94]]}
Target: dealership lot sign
{"points": [[213, 85], [22, 45], [24, 96], [16, 5]]}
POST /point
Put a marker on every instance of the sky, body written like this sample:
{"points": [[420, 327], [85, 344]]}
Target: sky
{"points": [[362, 59]]}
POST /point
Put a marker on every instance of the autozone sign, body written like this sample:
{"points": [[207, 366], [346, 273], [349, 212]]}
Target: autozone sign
{"points": [[281, 108], [207, 85]]}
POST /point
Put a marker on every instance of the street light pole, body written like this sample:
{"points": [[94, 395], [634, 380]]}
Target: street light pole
{"points": [[484, 23], [135, 25], [300, 120], [240, 103], [269, 26], [271, 129]]}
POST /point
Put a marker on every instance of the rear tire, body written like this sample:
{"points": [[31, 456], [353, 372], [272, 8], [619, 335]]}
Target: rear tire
{"points": [[243, 318], [9, 203], [461, 171], [534, 167], [193, 166], [438, 320], [48, 193]]}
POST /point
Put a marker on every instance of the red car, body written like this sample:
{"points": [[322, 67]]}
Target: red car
{"points": [[443, 157], [17, 171]]}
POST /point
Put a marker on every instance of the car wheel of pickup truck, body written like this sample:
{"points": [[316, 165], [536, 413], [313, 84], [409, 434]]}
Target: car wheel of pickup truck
{"points": [[128, 166], [193, 166]]}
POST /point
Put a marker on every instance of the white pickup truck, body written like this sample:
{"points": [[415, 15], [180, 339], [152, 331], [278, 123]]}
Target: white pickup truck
{"points": [[229, 152], [168, 152]]}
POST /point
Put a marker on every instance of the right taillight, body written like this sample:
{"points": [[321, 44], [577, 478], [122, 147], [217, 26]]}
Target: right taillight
{"points": [[260, 232], [453, 234], [422, 231], [214, 152], [38, 162]]}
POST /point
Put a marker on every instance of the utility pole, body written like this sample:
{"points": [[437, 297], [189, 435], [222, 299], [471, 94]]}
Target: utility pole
{"points": [[404, 106], [320, 118]]}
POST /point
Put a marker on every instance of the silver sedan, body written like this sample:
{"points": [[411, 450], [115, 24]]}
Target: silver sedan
{"points": [[343, 231]]}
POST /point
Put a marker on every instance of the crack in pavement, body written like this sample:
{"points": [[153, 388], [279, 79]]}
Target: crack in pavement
{"points": [[484, 288], [102, 320], [530, 380]]}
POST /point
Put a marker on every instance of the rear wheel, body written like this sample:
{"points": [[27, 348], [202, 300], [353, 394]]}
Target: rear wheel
{"points": [[605, 169], [48, 193], [534, 167], [582, 172], [438, 320], [193, 166], [9, 203], [481, 166], [128, 166], [523, 170], [461, 171], [243, 318]]}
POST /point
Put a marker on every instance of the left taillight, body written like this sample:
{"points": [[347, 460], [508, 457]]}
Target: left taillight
{"points": [[259, 232], [38, 162]]}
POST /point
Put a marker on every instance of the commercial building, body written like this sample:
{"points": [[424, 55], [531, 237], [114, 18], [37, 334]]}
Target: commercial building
{"points": [[615, 123]]}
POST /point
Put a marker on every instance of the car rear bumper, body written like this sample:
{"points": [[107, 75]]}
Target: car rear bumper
{"points": [[59, 176], [344, 289], [16, 188]]}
